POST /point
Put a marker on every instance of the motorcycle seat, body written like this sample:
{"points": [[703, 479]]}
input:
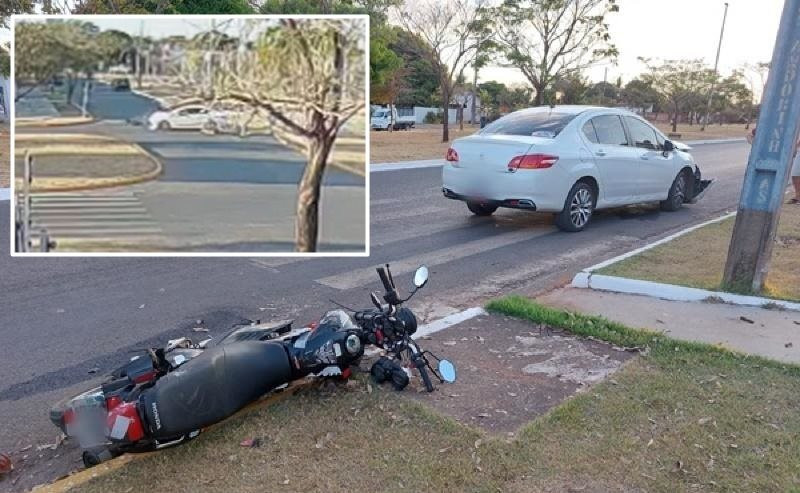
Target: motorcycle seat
{"points": [[213, 386]]}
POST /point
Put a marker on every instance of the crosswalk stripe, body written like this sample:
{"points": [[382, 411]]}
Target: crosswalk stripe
{"points": [[118, 216], [360, 277], [272, 263]]}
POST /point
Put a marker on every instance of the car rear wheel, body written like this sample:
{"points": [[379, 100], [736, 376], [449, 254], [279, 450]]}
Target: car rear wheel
{"points": [[679, 191], [578, 208], [481, 209]]}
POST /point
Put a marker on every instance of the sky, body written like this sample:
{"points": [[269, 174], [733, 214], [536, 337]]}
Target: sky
{"points": [[667, 29], [675, 29]]}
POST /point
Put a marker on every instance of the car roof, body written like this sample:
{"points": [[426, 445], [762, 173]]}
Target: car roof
{"points": [[575, 109]]}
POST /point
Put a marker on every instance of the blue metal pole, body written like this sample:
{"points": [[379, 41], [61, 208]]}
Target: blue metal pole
{"points": [[770, 161]]}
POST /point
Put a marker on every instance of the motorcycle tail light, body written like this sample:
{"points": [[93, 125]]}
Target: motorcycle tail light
{"points": [[532, 161]]}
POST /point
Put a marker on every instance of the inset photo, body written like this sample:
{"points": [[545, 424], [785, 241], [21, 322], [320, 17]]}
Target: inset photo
{"points": [[189, 136]]}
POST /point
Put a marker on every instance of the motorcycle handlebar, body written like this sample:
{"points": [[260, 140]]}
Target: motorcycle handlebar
{"points": [[384, 279]]}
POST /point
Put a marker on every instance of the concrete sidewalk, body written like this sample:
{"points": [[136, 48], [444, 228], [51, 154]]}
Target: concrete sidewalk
{"points": [[772, 334]]}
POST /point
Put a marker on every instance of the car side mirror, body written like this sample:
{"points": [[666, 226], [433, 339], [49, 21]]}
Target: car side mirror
{"points": [[669, 146]]}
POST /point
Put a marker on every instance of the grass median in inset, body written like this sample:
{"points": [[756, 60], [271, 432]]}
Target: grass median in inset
{"points": [[684, 417], [697, 259], [63, 162]]}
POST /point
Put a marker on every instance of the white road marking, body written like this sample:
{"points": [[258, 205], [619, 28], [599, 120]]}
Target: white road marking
{"points": [[361, 277]]}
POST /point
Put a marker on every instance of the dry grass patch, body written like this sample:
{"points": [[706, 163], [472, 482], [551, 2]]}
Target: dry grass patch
{"points": [[424, 142], [692, 132], [697, 259]]}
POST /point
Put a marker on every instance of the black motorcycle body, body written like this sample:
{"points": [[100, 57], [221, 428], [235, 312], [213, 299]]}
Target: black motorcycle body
{"points": [[170, 394]]}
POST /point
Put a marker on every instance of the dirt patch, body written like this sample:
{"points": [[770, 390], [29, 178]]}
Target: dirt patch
{"points": [[75, 166], [510, 371]]}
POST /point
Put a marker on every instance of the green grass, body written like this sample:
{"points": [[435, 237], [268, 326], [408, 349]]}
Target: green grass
{"points": [[697, 259], [685, 417]]}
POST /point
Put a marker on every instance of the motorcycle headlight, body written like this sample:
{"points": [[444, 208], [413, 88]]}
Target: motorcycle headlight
{"points": [[352, 344]]}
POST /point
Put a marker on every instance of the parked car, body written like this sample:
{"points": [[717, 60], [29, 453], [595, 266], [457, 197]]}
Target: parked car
{"points": [[383, 117], [189, 117], [122, 84], [571, 161]]}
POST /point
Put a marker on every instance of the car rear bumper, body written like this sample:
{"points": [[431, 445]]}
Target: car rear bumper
{"points": [[525, 204], [538, 190]]}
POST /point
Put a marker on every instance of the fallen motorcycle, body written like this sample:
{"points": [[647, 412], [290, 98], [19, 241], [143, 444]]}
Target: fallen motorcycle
{"points": [[169, 395]]}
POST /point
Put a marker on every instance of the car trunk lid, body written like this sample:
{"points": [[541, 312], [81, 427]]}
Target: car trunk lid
{"points": [[494, 152]]}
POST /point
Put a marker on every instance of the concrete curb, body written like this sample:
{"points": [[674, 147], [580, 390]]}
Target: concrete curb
{"points": [[51, 122], [587, 279], [401, 165], [713, 141], [81, 477]]}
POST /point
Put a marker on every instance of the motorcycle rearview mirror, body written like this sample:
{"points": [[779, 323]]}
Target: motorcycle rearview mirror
{"points": [[447, 370], [376, 301], [421, 277]]}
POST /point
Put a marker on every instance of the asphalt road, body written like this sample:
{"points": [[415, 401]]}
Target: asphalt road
{"points": [[63, 317], [216, 193]]}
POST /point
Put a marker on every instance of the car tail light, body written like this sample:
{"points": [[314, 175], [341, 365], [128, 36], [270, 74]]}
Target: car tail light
{"points": [[532, 161], [452, 155]]}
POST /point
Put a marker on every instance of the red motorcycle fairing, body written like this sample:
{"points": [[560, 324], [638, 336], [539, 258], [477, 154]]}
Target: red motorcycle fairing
{"points": [[124, 423]]}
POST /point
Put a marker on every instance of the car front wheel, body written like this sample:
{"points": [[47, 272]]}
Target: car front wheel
{"points": [[481, 209], [163, 125], [578, 208], [678, 192]]}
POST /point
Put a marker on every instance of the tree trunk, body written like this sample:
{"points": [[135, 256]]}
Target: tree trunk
{"points": [[461, 116], [539, 95], [446, 114], [70, 88], [675, 120], [308, 193]]}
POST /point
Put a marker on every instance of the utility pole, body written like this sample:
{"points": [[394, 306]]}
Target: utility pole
{"points": [[474, 90], [770, 162], [716, 65]]}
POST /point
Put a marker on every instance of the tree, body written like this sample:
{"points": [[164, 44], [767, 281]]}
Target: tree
{"points": [[5, 62], [8, 8], [680, 82], [641, 95], [454, 31], [44, 49], [572, 89], [549, 40], [419, 75], [319, 63]]}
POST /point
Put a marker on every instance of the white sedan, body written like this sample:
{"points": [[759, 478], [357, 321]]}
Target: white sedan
{"points": [[190, 117], [570, 160]]}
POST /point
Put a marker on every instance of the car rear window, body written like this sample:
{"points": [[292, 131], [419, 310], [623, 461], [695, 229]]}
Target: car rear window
{"points": [[540, 123]]}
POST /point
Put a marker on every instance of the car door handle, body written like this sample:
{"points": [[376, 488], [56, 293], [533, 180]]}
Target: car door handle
{"points": [[644, 157], [601, 153]]}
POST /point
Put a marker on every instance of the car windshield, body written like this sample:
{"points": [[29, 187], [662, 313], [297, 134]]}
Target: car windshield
{"points": [[379, 114], [546, 124]]}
